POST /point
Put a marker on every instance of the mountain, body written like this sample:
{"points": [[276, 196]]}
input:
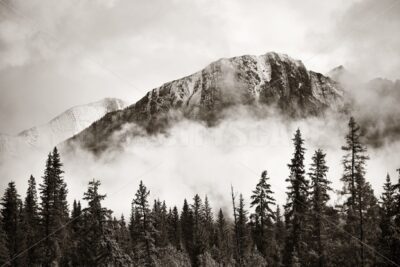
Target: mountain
{"points": [[337, 73], [271, 80], [58, 129]]}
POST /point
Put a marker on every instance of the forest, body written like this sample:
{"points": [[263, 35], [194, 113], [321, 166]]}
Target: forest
{"points": [[43, 229]]}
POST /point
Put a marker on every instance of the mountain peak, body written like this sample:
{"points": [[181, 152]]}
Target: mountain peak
{"points": [[60, 128], [271, 79]]}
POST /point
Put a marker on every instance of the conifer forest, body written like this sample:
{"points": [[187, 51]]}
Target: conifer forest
{"points": [[40, 228]]}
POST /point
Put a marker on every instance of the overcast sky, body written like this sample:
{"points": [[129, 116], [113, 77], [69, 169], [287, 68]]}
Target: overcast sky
{"points": [[57, 54]]}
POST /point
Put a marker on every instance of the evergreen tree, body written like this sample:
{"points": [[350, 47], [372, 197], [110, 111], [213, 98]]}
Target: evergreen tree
{"points": [[386, 224], [53, 210], [99, 246], [134, 230], [159, 214], [31, 222], [242, 233], [208, 223], [320, 197], [279, 236], [199, 234], [122, 235], [61, 190], [4, 253], [263, 216], [73, 253], [354, 162], [297, 205], [147, 232], [223, 256], [396, 220], [174, 229], [95, 217], [11, 222], [187, 227]]}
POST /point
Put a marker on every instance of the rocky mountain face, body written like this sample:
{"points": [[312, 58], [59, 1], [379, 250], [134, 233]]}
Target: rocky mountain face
{"points": [[62, 127], [272, 80]]}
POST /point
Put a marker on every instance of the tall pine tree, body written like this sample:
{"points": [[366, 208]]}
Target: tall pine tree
{"points": [[199, 233], [354, 162], [187, 227], [174, 228], [297, 206], [31, 222], [53, 210], [147, 232], [11, 222], [242, 234], [4, 253], [99, 246], [319, 198], [387, 237], [264, 216], [396, 219]]}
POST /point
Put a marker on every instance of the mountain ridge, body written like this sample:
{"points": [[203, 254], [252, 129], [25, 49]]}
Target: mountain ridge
{"points": [[271, 79], [58, 129]]}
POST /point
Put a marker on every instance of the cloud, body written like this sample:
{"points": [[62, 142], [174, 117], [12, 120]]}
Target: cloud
{"points": [[75, 52], [365, 39], [55, 55]]}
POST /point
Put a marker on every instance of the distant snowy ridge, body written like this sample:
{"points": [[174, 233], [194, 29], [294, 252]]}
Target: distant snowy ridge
{"points": [[62, 127]]}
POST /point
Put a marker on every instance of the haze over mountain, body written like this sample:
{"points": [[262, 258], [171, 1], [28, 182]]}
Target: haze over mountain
{"points": [[234, 110], [271, 81], [60, 128]]}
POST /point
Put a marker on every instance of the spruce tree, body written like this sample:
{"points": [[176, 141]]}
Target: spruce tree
{"points": [[61, 190], [223, 240], [95, 219], [159, 215], [147, 232], [99, 246], [396, 221], [264, 216], [174, 228], [187, 228], [279, 236], [11, 222], [31, 222], [242, 233], [208, 223], [319, 198], [386, 240], [53, 210], [75, 227], [134, 231], [122, 235], [4, 253], [354, 162], [199, 233], [297, 205]]}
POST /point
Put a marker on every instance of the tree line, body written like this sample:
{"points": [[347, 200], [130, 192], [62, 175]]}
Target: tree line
{"points": [[41, 230]]}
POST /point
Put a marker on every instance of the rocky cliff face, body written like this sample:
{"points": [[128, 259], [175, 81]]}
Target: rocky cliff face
{"points": [[267, 80], [58, 129]]}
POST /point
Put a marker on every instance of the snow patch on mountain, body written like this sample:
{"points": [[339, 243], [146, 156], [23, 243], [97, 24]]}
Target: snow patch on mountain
{"points": [[269, 80], [60, 128]]}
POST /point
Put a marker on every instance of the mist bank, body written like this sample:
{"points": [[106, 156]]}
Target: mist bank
{"points": [[192, 157]]}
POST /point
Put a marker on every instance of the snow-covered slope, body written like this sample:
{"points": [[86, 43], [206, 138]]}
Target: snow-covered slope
{"points": [[267, 80], [60, 128]]}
